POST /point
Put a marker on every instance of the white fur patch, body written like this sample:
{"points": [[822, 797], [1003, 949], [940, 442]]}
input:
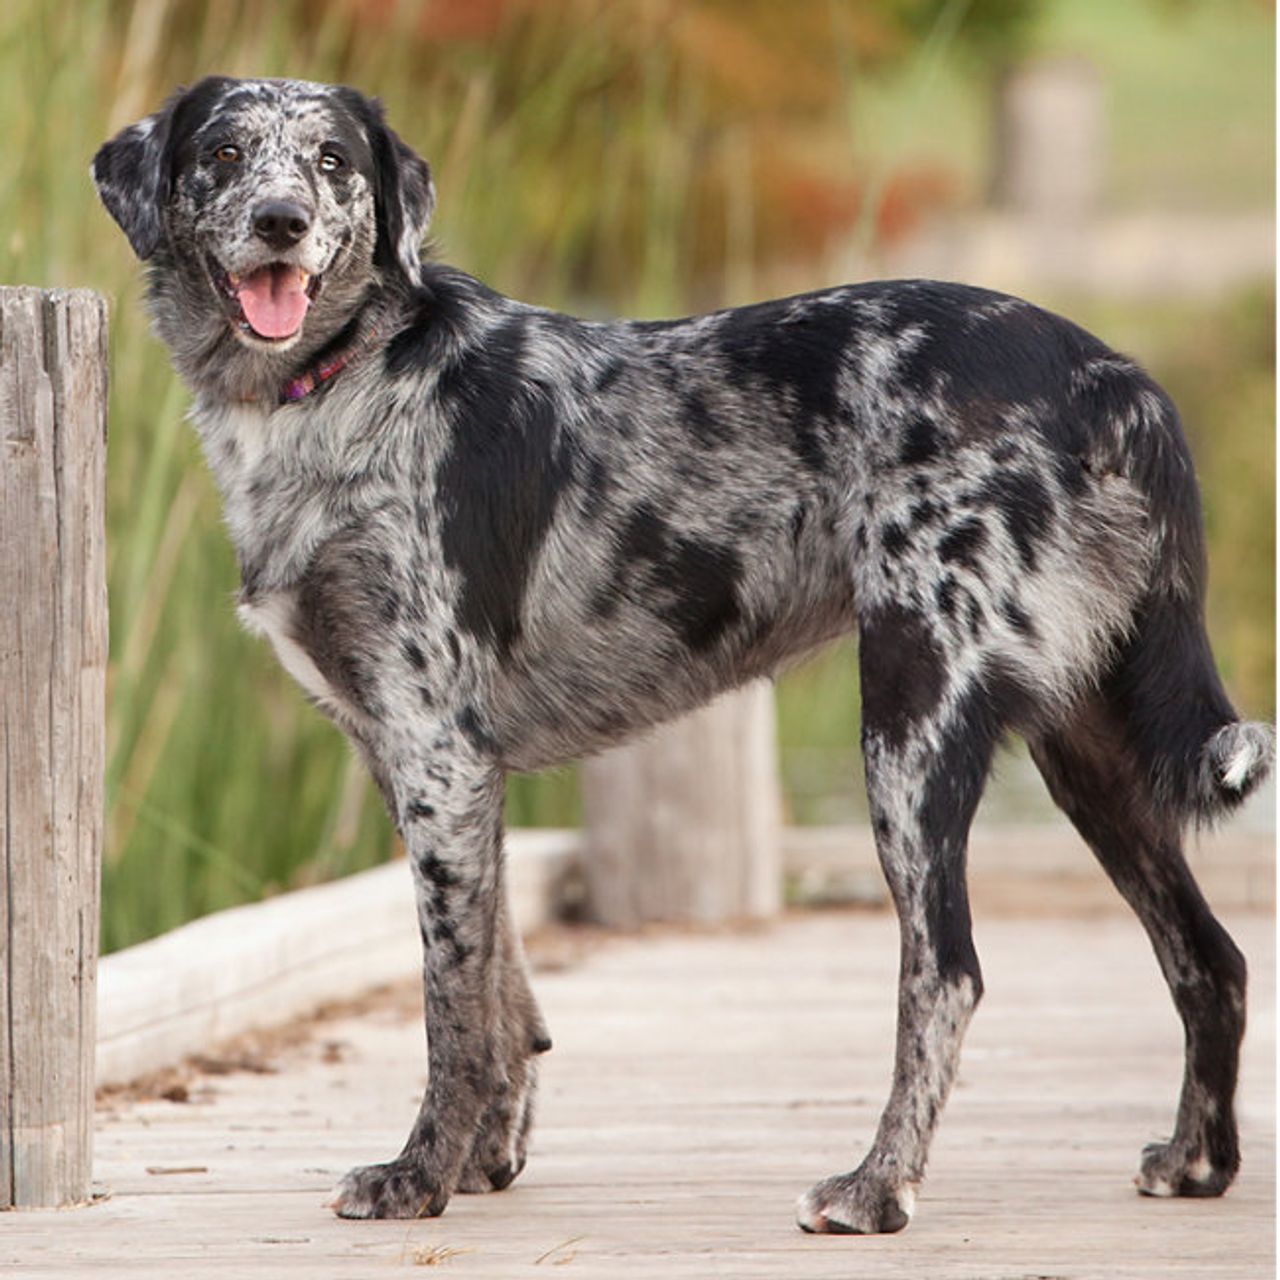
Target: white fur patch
{"points": [[1250, 752], [1234, 758], [272, 617]]}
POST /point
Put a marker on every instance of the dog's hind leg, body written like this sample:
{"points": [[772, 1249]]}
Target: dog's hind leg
{"points": [[1094, 776], [928, 748]]}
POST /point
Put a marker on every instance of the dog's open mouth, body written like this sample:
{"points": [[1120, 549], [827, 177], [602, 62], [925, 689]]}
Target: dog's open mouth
{"points": [[270, 302]]}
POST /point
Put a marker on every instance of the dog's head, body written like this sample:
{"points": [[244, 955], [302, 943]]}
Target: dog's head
{"points": [[268, 210]]}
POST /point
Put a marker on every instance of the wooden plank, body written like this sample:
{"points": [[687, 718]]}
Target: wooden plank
{"points": [[251, 966], [698, 1084], [1033, 867], [52, 673]]}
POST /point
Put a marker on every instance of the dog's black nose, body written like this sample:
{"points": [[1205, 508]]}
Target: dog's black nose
{"points": [[281, 223]]}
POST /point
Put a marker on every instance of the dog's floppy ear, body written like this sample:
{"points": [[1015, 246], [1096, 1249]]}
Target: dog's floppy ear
{"points": [[403, 189], [134, 170], [131, 173]]}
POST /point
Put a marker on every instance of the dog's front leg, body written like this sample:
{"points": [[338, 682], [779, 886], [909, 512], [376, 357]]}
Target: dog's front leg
{"points": [[450, 814]]}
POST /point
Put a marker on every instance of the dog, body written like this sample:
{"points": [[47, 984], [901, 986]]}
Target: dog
{"points": [[485, 537]]}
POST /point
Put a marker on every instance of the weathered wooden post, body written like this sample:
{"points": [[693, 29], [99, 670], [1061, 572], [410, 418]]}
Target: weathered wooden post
{"points": [[684, 825], [53, 654], [1051, 123]]}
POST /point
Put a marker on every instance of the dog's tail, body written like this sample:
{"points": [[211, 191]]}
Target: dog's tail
{"points": [[1201, 759]]}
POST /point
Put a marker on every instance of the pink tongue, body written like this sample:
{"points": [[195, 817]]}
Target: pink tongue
{"points": [[274, 301]]}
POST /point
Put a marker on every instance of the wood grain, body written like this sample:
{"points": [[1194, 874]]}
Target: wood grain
{"points": [[53, 650], [698, 1084]]}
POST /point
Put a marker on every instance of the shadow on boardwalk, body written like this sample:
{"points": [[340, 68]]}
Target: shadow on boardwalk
{"points": [[698, 1084]]}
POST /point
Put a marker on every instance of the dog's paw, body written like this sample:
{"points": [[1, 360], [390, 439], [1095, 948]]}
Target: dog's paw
{"points": [[855, 1204], [1169, 1169], [401, 1188]]}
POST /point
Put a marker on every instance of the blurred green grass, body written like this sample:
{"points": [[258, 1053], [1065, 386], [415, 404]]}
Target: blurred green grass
{"points": [[1164, 60], [602, 157]]}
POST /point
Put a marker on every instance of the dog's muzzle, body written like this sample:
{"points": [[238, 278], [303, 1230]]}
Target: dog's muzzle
{"points": [[270, 302]]}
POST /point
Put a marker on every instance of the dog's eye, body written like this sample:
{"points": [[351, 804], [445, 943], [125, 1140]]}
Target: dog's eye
{"points": [[227, 154], [330, 162]]}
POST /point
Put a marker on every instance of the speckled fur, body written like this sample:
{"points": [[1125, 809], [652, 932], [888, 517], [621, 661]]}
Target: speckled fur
{"points": [[502, 538]]}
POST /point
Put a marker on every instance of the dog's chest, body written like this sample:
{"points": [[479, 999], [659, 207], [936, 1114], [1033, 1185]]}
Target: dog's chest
{"points": [[274, 483], [235, 439], [244, 445]]}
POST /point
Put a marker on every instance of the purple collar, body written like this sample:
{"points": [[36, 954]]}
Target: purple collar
{"points": [[303, 385]]}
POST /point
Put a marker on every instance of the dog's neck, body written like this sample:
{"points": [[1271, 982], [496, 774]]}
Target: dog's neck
{"points": [[300, 432], [350, 344], [322, 370], [221, 368]]}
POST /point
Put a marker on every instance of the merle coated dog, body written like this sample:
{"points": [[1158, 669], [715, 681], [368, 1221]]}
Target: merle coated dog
{"points": [[485, 536]]}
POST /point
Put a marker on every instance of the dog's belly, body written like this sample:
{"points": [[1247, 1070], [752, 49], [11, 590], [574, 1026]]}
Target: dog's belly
{"points": [[609, 684]]}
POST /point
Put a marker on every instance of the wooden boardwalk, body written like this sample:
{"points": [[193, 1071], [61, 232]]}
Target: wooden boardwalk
{"points": [[697, 1085]]}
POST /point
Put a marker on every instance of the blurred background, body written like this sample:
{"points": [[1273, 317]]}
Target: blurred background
{"points": [[1115, 162]]}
